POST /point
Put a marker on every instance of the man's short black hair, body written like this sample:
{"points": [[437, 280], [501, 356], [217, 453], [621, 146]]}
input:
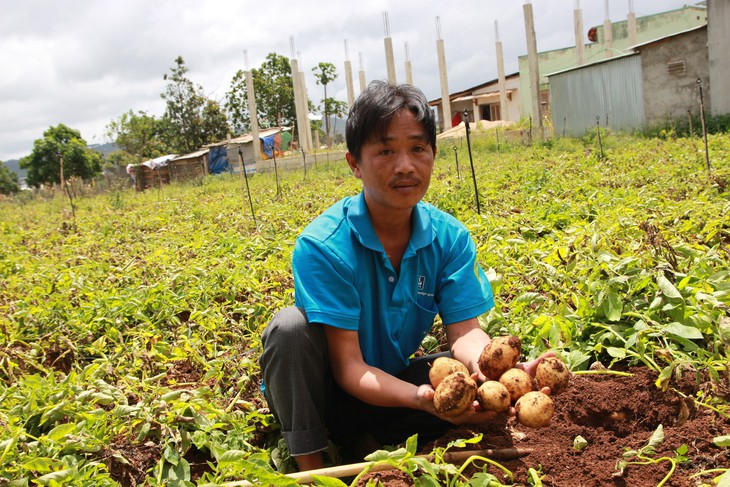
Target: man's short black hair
{"points": [[373, 110]]}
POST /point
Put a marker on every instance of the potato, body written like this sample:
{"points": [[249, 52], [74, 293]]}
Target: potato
{"points": [[500, 355], [534, 409], [493, 396], [444, 366], [552, 373], [518, 383], [454, 395]]}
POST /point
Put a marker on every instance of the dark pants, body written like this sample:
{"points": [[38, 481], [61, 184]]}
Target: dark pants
{"points": [[311, 407]]}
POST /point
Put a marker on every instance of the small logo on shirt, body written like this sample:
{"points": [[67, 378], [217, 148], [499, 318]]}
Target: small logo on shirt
{"points": [[421, 282]]}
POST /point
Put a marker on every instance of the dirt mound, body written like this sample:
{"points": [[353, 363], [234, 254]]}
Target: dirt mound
{"points": [[613, 414], [460, 130]]}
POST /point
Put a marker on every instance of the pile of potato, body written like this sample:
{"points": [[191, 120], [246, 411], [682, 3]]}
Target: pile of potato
{"points": [[507, 385]]}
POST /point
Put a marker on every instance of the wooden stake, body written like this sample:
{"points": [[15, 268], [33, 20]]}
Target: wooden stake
{"points": [[471, 161], [248, 190]]}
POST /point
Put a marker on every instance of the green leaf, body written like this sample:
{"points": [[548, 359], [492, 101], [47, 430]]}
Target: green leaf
{"points": [[231, 457], [61, 431], [616, 352], [667, 288], [723, 480], [613, 307], [657, 438], [412, 444], [529, 298], [428, 481], [171, 454], [328, 481], [53, 414], [722, 440], [58, 477], [41, 464], [579, 443], [22, 482], [683, 331], [181, 471], [122, 410], [398, 454], [378, 456]]}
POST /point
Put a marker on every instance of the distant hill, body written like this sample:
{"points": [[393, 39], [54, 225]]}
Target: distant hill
{"points": [[104, 149], [14, 165], [337, 125]]}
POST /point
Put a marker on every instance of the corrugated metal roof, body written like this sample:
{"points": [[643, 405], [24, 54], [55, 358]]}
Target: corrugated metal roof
{"points": [[192, 155], [480, 86], [246, 138], [482, 97]]}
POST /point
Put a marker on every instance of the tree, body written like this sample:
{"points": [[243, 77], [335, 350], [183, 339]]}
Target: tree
{"points": [[335, 108], [139, 135], [325, 73], [120, 158], [60, 143], [8, 180], [274, 95], [191, 119]]}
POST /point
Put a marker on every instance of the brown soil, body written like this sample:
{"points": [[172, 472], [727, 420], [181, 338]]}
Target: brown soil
{"points": [[614, 414]]}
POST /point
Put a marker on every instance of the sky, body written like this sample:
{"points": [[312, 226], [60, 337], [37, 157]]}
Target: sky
{"points": [[84, 63]]}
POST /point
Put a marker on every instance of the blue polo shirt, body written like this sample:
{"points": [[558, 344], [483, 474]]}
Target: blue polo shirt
{"points": [[343, 278]]}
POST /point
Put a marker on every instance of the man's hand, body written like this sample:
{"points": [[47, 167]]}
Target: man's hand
{"points": [[531, 368], [473, 415]]}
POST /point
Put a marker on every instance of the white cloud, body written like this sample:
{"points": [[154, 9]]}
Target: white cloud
{"points": [[85, 62]]}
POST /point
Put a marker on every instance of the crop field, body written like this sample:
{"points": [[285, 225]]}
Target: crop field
{"points": [[130, 323]]}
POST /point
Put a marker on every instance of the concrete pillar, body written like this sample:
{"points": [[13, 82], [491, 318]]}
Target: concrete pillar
{"points": [[254, 117], [445, 100], [501, 81], [580, 48], [475, 109], [363, 84], [608, 38], [348, 78], [632, 28], [608, 34], [304, 100], [389, 58], [718, 38], [297, 86], [350, 88], [533, 66], [631, 24], [409, 71]]}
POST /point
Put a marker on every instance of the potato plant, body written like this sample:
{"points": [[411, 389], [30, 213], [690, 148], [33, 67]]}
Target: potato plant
{"points": [[132, 332]]}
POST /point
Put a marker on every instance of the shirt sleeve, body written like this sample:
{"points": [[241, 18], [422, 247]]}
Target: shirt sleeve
{"points": [[464, 291], [324, 285]]}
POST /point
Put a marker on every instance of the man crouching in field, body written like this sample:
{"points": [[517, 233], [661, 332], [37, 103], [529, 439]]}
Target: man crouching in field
{"points": [[370, 275]]}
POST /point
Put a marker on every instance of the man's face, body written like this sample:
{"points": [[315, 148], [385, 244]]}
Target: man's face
{"points": [[396, 170]]}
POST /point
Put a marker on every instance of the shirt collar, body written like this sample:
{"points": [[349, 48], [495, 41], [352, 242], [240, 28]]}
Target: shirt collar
{"points": [[359, 221]]}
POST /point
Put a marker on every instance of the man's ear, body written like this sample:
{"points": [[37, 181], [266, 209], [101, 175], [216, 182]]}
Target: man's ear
{"points": [[352, 162]]}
